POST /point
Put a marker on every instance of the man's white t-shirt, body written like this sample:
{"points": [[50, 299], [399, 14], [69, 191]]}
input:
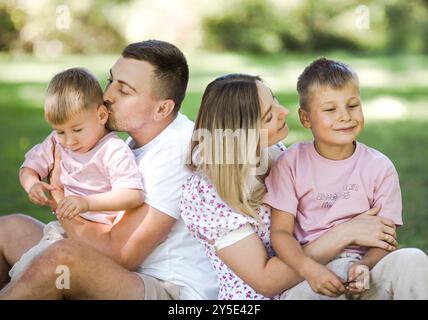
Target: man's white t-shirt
{"points": [[180, 259]]}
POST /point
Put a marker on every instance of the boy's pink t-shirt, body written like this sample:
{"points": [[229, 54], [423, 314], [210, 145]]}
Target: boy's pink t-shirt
{"points": [[110, 165], [323, 193]]}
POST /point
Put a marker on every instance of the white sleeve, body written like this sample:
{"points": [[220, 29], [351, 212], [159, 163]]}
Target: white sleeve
{"points": [[163, 175], [234, 236]]}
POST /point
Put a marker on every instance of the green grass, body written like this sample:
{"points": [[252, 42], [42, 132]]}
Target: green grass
{"points": [[393, 91]]}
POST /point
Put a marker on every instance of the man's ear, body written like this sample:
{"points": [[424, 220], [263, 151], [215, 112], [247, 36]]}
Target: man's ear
{"points": [[102, 113], [164, 109], [304, 118]]}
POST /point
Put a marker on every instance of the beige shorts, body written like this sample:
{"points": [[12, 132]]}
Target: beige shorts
{"points": [[52, 232], [155, 289]]}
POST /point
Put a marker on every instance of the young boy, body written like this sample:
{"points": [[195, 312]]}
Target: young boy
{"points": [[98, 170], [316, 185]]}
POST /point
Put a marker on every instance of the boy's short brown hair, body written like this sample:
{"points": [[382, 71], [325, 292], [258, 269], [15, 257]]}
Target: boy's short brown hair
{"points": [[323, 72], [70, 92]]}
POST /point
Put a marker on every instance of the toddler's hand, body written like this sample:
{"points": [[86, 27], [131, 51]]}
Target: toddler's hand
{"points": [[358, 279], [37, 193], [323, 281], [71, 206]]}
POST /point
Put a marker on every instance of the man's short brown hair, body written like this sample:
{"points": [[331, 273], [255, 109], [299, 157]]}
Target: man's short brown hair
{"points": [[171, 73]]}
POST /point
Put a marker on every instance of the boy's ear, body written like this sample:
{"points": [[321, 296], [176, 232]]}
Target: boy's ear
{"points": [[102, 113], [304, 118], [164, 109]]}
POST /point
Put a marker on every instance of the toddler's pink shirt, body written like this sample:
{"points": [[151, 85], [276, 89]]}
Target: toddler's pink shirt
{"points": [[110, 165], [323, 193]]}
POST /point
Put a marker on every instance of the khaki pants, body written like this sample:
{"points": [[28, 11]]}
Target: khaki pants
{"points": [[400, 275]]}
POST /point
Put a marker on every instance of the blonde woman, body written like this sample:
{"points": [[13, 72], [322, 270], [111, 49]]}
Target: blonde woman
{"points": [[238, 133]]}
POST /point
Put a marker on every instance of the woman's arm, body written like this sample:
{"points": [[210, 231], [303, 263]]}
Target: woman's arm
{"points": [[366, 229], [270, 276]]}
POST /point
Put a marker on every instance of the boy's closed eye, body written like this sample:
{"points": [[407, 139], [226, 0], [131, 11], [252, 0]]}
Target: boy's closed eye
{"points": [[123, 92]]}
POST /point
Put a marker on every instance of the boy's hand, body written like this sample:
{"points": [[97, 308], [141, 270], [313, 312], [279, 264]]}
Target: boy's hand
{"points": [[37, 193], [71, 206], [323, 281], [358, 279]]}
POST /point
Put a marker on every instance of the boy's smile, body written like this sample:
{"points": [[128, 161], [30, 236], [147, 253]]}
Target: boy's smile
{"points": [[335, 117]]}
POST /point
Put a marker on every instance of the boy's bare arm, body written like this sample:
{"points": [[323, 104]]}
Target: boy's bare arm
{"points": [[283, 242], [116, 200], [36, 189], [373, 256], [28, 177], [320, 278]]}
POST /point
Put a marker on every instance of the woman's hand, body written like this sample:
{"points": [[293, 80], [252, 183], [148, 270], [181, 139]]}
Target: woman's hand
{"points": [[369, 230]]}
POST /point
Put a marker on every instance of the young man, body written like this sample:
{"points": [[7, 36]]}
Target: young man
{"points": [[146, 87]]}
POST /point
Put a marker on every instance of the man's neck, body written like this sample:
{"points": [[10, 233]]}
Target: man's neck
{"points": [[148, 133]]}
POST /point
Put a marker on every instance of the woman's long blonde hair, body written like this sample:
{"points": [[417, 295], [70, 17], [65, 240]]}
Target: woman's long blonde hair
{"points": [[230, 104]]}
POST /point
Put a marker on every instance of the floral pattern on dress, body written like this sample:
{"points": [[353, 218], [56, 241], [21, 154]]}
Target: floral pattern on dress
{"points": [[208, 218]]}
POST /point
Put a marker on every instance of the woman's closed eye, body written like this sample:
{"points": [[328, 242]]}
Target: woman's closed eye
{"points": [[269, 118], [77, 130]]}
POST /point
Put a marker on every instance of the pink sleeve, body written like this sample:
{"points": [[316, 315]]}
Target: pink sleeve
{"points": [[124, 172], [40, 157], [387, 195], [281, 192]]}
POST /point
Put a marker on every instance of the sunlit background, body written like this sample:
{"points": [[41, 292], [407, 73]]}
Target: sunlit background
{"points": [[386, 42]]}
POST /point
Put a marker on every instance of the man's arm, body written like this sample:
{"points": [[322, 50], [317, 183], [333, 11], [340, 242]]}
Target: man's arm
{"points": [[130, 240]]}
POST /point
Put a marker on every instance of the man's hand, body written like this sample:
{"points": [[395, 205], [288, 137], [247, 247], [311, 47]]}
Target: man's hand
{"points": [[38, 191], [358, 279], [71, 206], [323, 281]]}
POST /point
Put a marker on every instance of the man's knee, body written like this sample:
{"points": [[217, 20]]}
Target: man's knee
{"points": [[17, 223], [65, 251], [9, 224]]}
